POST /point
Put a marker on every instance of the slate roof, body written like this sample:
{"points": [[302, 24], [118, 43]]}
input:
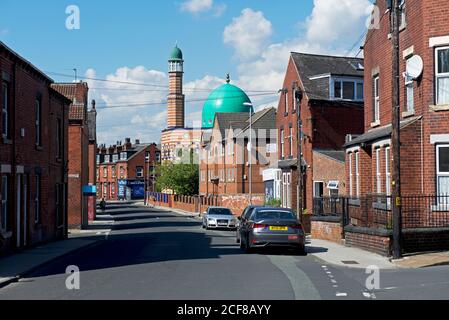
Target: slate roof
{"points": [[290, 163], [78, 109], [137, 149], [312, 65], [338, 155], [378, 133]]}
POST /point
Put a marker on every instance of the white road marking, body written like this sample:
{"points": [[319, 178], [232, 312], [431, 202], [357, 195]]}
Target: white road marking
{"points": [[334, 281], [341, 295], [390, 288]]}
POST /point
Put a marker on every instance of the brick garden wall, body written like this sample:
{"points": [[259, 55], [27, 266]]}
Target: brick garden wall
{"points": [[330, 231], [373, 243]]}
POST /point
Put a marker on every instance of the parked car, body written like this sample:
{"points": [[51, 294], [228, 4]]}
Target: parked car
{"points": [[272, 227], [245, 215], [219, 217]]}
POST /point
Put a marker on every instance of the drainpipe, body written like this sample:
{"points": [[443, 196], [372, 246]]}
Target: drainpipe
{"points": [[13, 158]]}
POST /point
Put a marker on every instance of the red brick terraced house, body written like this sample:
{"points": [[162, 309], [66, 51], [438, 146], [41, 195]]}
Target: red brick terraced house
{"points": [[78, 150], [126, 171], [33, 155], [225, 158], [424, 35], [327, 93]]}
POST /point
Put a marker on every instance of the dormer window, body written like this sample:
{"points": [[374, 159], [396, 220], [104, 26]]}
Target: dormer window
{"points": [[347, 89]]}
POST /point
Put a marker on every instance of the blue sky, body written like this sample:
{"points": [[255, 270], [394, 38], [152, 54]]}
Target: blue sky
{"points": [[130, 41]]}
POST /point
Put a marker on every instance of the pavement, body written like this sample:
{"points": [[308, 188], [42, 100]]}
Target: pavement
{"points": [[153, 254], [423, 260], [17, 266]]}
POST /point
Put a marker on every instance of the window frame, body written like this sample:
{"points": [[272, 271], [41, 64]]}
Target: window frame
{"points": [[378, 171], [357, 173], [342, 81], [376, 96], [438, 172], [5, 109], [291, 142], [282, 144], [139, 172], [439, 75], [351, 176], [388, 171], [38, 123]]}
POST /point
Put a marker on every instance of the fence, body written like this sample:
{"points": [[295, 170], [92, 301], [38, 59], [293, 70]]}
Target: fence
{"points": [[375, 211]]}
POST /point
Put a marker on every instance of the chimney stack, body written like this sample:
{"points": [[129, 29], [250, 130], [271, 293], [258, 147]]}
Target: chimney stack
{"points": [[137, 141]]}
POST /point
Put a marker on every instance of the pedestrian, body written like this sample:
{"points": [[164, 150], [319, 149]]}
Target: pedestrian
{"points": [[103, 205]]}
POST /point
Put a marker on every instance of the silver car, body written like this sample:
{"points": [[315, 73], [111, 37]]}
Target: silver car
{"points": [[272, 227], [219, 218]]}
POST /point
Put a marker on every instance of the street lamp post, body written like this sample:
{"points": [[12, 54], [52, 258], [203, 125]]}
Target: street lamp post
{"points": [[250, 150]]}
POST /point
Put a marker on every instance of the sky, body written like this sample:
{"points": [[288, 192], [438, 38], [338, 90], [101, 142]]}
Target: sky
{"points": [[128, 44]]}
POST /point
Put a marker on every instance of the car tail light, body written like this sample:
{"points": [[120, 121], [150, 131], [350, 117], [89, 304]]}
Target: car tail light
{"points": [[259, 226], [297, 227]]}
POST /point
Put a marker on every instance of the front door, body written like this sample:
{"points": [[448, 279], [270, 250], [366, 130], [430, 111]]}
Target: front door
{"points": [[25, 210]]}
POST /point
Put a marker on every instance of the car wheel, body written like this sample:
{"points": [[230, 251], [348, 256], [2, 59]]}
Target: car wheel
{"points": [[301, 250]]}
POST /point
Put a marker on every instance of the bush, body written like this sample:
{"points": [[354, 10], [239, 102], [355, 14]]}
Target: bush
{"points": [[273, 203]]}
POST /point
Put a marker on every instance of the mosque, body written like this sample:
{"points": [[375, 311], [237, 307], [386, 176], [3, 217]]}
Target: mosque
{"points": [[177, 138]]}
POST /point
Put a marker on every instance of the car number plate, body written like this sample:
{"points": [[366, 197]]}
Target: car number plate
{"points": [[278, 228]]}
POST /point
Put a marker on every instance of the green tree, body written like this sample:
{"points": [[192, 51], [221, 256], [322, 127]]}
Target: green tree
{"points": [[180, 178]]}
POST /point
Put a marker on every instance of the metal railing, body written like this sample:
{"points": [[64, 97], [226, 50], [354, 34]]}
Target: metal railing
{"points": [[375, 211]]}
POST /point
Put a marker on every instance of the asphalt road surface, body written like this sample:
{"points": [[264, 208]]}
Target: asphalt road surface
{"points": [[153, 254]]}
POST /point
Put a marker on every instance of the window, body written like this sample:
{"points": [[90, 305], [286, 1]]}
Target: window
{"points": [[286, 101], [105, 189], [113, 188], [107, 158], [376, 99], [98, 158], [37, 200], [114, 172], [333, 188], [5, 110], [98, 174], [4, 217], [378, 173], [443, 169], [360, 91], [409, 92], [38, 122], [147, 156], [442, 75], [139, 172], [58, 139], [388, 172], [291, 142], [123, 156], [295, 101], [351, 193], [115, 158], [282, 144], [402, 8], [348, 89], [357, 173], [158, 157], [105, 172], [122, 172]]}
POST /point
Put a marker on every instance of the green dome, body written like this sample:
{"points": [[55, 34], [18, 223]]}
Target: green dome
{"points": [[225, 99], [176, 54]]}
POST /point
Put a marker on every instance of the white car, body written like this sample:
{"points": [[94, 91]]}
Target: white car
{"points": [[219, 218]]}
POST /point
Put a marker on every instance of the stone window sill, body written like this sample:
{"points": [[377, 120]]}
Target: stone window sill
{"points": [[440, 107], [375, 124], [39, 148], [6, 140], [407, 114], [355, 202]]}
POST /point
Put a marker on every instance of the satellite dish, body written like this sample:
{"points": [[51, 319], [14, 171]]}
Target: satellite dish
{"points": [[415, 67]]}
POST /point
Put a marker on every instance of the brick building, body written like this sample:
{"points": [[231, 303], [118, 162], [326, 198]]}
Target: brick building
{"points": [[424, 105], [327, 92], [424, 123], [33, 155], [126, 170], [225, 158], [78, 151]]}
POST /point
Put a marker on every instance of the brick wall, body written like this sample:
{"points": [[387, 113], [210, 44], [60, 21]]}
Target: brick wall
{"points": [[331, 231], [377, 244], [21, 160], [328, 169]]}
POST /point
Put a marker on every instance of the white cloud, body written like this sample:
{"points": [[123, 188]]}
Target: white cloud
{"points": [[200, 6], [248, 33]]}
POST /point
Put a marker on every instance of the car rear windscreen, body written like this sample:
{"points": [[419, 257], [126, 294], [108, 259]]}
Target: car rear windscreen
{"points": [[276, 215], [220, 212]]}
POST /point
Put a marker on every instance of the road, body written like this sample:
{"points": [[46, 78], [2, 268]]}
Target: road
{"points": [[154, 254]]}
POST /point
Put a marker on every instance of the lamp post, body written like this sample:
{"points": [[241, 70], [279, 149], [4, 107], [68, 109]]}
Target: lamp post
{"points": [[250, 150]]}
